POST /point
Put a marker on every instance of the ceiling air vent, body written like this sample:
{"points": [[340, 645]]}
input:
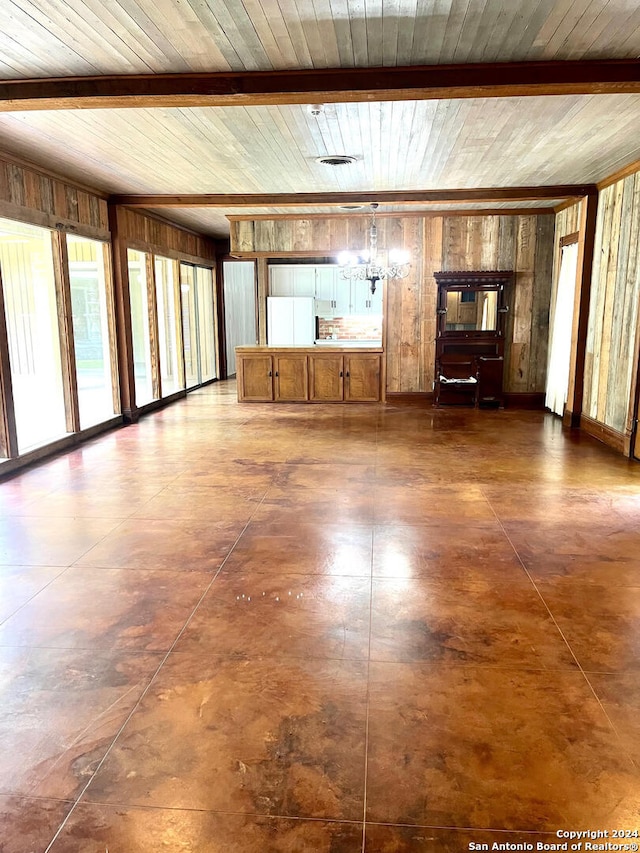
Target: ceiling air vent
{"points": [[336, 160]]}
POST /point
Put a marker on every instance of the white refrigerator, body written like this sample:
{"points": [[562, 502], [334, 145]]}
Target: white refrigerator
{"points": [[291, 321]]}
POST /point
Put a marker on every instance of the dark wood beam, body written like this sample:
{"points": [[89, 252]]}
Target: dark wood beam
{"points": [[405, 214], [586, 248], [474, 80], [124, 333], [65, 326], [491, 194]]}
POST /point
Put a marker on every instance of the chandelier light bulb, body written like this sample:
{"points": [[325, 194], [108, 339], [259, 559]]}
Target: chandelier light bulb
{"points": [[369, 265]]}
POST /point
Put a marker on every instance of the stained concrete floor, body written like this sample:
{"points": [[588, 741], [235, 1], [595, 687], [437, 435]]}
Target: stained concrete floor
{"points": [[326, 628]]}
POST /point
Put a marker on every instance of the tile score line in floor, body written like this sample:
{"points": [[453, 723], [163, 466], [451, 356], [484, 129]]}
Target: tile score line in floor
{"points": [[561, 632], [151, 681], [368, 693]]}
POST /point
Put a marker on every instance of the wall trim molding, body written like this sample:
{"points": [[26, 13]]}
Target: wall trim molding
{"points": [[607, 435], [620, 175], [570, 239]]}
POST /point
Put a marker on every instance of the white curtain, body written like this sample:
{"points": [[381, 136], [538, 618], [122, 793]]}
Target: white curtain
{"points": [[239, 308], [560, 344]]}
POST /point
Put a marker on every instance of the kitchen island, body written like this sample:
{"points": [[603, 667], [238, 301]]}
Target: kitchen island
{"points": [[309, 374]]}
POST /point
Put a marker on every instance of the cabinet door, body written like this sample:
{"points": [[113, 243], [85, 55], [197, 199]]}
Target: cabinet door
{"points": [[375, 300], [304, 279], [490, 372], [326, 377], [290, 378], [342, 299], [255, 382], [362, 377], [360, 297], [280, 280], [325, 290]]}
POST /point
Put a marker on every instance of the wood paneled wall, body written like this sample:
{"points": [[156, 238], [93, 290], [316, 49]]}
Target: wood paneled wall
{"points": [[613, 316], [523, 243], [32, 196], [147, 232]]}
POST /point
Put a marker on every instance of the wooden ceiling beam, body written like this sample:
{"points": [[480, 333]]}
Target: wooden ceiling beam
{"points": [[400, 83], [406, 214], [226, 200]]}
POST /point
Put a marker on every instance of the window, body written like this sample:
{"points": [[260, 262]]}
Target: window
{"points": [[189, 324], [170, 372], [91, 333], [139, 300], [206, 324], [26, 266]]}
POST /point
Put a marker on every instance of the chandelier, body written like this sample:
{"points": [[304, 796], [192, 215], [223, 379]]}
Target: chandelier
{"points": [[368, 265]]}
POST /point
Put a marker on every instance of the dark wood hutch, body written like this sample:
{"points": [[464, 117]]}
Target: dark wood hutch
{"points": [[471, 312]]}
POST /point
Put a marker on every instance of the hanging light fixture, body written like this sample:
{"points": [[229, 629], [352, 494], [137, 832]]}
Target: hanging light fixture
{"points": [[368, 265]]}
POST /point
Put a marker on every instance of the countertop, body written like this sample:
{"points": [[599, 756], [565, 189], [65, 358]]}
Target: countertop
{"points": [[330, 346], [328, 342]]}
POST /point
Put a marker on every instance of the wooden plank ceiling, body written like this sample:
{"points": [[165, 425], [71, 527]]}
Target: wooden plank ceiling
{"points": [[41, 38], [414, 144]]}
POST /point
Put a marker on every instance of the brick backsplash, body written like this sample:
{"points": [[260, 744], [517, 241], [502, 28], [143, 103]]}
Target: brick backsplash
{"points": [[355, 327]]}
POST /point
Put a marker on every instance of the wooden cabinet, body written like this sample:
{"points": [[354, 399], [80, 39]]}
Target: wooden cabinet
{"points": [[362, 377], [353, 377], [291, 378], [255, 378], [307, 375], [326, 378]]}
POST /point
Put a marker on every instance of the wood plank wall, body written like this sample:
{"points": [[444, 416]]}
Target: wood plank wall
{"points": [[523, 243], [613, 316], [149, 233], [35, 197]]}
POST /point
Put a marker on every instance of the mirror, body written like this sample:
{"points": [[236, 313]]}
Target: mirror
{"points": [[471, 310]]}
